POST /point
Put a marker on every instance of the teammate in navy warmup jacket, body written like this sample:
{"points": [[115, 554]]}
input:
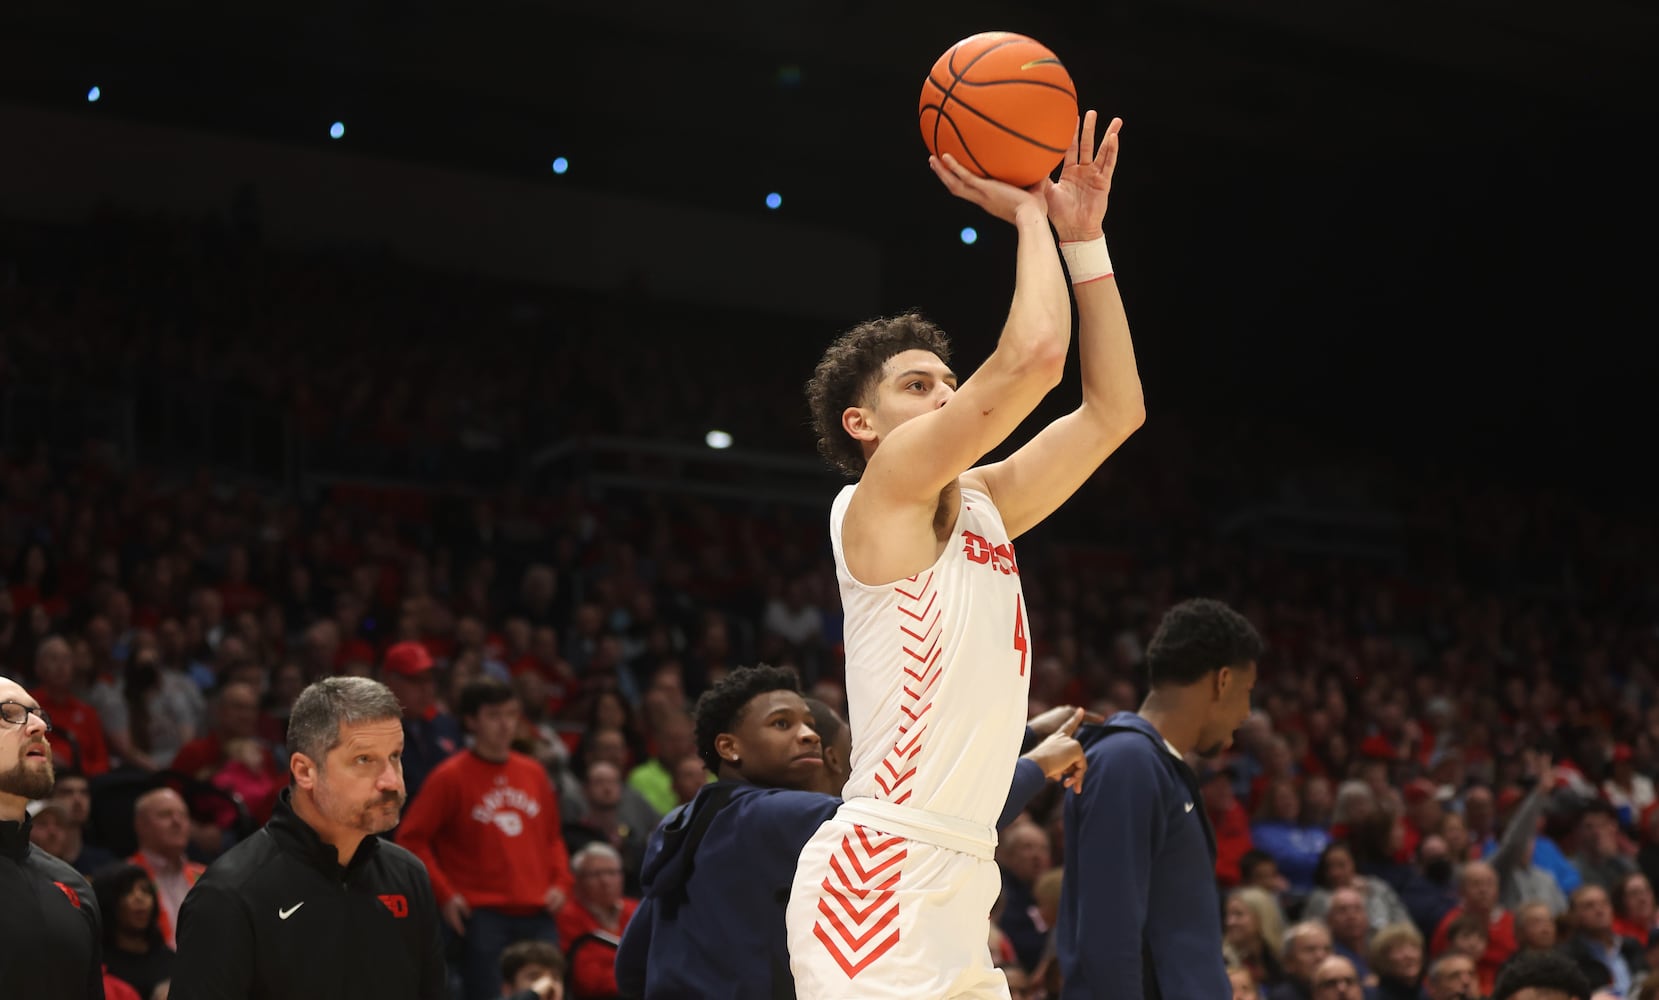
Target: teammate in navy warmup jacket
{"points": [[1140, 915], [718, 869]]}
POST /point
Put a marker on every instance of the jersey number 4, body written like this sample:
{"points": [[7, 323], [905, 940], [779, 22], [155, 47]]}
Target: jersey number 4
{"points": [[1019, 632]]}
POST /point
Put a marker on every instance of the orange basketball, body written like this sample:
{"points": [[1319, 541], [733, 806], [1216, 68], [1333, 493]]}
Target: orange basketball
{"points": [[1001, 104]]}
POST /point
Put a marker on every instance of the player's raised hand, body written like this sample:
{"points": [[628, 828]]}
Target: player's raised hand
{"points": [[1077, 201], [1047, 722], [1005, 201], [1061, 756]]}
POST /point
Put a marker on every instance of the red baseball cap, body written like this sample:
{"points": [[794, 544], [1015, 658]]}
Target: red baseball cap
{"points": [[407, 659]]}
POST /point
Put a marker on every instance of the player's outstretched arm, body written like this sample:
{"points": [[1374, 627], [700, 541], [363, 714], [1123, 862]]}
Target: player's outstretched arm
{"points": [[923, 455], [1030, 484]]}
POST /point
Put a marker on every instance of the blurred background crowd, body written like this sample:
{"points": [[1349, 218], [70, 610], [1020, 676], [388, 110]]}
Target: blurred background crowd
{"points": [[1457, 724]]}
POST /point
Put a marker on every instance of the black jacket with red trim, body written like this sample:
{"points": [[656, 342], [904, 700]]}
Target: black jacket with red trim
{"points": [[278, 918], [49, 929]]}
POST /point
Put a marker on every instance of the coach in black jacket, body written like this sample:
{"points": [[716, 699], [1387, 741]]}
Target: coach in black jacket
{"points": [[49, 929], [315, 906]]}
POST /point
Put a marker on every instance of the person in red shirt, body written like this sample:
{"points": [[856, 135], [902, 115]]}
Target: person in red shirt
{"points": [[235, 591], [55, 672], [486, 824], [591, 924], [1477, 889], [1634, 912], [1231, 823], [236, 723], [1424, 814]]}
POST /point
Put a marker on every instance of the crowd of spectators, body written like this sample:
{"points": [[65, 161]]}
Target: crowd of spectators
{"points": [[1451, 760]]}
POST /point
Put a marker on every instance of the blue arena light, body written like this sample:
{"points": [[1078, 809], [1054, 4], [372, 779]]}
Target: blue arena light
{"points": [[773, 200], [93, 95], [337, 130], [560, 165], [969, 235]]}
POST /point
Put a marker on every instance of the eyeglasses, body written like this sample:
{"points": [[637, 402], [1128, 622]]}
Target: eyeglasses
{"points": [[1325, 984], [18, 714]]}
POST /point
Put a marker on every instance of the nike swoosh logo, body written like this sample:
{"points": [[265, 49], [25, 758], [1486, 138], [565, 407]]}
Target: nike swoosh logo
{"points": [[285, 914], [1189, 807]]}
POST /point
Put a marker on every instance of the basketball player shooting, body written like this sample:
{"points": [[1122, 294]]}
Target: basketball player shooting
{"points": [[891, 896]]}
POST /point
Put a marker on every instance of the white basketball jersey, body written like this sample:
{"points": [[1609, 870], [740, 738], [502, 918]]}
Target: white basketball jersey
{"points": [[938, 672]]}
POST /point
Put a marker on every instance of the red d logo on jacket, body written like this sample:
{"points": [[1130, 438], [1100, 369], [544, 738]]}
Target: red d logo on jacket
{"points": [[397, 904]]}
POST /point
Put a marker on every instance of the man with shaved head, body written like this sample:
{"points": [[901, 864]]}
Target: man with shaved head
{"points": [[162, 822], [49, 927]]}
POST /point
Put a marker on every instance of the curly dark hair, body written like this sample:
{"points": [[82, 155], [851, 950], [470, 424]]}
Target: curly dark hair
{"points": [[721, 707], [1196, 637], [849, 370], [1547, 970]]}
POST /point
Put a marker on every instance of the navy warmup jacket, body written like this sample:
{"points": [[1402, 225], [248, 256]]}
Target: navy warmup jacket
{"points": [[1140, 915], [717, 876]]}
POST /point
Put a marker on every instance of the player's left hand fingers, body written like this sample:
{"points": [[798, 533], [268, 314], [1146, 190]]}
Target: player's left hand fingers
{"points": [[1086, 150], [1107, 160], [1072, 150]]}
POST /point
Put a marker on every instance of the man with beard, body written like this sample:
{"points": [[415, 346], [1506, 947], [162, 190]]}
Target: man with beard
{"points": [[1139, 909], [315, 905], [49, 929]]}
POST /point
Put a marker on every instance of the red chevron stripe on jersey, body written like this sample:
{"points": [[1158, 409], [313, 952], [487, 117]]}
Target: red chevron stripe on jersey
{"points": [[859, 904], [921, 644]]}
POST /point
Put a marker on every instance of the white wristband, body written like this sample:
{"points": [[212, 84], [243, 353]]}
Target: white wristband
{"points": [[1087, 260]]}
